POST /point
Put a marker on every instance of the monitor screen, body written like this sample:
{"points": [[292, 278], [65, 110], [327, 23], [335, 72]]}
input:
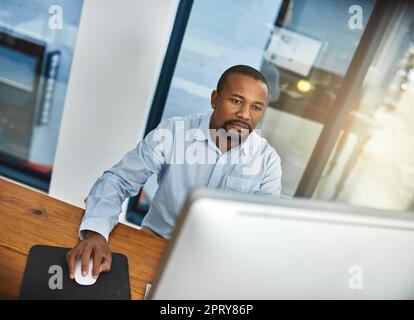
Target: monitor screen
{"points": [[243, 246]]}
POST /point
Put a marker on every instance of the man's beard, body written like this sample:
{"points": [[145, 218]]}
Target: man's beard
{"points": [[241, 123], [234, 134]]}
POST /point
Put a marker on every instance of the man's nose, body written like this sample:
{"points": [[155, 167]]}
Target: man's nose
{"points": [[244, 112]]}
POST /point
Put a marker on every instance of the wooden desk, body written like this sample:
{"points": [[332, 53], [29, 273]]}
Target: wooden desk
{"points": [[28, 218]]}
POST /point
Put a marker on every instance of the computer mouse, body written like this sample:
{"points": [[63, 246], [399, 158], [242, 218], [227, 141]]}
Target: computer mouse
{"points": [[88, 279]]}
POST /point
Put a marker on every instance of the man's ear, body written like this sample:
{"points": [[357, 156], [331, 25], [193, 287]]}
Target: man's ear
{"points": [[214, 97]]}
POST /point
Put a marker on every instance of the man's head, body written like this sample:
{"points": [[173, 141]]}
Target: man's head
{"points": [[239, 100]]}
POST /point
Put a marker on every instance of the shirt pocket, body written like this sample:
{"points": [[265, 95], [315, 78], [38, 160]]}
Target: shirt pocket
{"points": [[241, 185]]}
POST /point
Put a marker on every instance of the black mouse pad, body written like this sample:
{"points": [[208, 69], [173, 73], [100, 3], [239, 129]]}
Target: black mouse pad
{"points": [[46, 277]]}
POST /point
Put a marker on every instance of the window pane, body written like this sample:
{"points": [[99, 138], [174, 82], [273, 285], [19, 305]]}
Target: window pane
{"points": [[373, 161], [312, 51], [37, 40]]}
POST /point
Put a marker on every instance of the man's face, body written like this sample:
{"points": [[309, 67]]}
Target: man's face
{"points": [[239, 106]]}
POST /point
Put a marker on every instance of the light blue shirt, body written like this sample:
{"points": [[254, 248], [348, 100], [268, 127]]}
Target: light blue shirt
{"points": [[182, 160]]}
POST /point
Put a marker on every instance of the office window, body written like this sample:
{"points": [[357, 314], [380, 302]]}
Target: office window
{"points": [[311, 69], [304, 48], [37, 39], [372, 164]]}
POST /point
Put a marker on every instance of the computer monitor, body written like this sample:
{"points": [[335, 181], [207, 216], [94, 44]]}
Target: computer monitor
{"points": [[240, 246]]}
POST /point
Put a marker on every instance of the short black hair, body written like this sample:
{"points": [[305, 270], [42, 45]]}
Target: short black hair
{"points": [[241, 69]]}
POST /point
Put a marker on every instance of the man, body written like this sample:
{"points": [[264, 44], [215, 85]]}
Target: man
{"points": [[217, 150]]}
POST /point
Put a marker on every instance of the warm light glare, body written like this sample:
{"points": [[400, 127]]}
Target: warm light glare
{"points": [[304, 86]]}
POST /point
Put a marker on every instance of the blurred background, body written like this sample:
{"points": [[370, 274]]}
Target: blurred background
{"points": [[341, 112], [35, 63]]}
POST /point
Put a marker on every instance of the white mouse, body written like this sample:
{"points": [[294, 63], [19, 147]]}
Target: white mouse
{"points": [[88, 279]]}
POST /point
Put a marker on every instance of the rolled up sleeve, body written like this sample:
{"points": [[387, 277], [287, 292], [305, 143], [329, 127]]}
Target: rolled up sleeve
{"points": [[123, 180]]}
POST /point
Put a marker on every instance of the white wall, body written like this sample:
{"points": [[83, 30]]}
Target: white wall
{"points": [[118, 56]]}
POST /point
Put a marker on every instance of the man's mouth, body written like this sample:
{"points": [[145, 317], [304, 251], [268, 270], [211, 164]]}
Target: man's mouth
{"points": [[239, 125]]}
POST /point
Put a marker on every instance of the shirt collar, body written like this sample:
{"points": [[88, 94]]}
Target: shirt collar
{"points": [[201, 133], [205, 126], [251, 143]]}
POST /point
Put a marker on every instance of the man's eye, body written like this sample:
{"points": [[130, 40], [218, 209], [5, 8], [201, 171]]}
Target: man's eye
{"points": [[235, 101], [257, 108]]}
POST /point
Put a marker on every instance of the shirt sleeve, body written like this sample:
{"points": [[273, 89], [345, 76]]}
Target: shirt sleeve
{"points": [[272, 180], [124, 180]]}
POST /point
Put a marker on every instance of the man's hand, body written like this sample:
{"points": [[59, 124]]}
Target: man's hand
{"points": [[94, 246]]}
